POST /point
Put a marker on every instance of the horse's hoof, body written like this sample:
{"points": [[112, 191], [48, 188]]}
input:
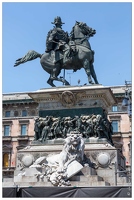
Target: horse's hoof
{"points": [[67, 83], [51, 83], [91, 82]]}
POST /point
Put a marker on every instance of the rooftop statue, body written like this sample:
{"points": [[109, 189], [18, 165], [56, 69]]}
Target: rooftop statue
{"points": [[65, 51]]}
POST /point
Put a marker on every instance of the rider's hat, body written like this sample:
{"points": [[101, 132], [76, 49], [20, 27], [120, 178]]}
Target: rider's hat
{"points": [[57, 20]]}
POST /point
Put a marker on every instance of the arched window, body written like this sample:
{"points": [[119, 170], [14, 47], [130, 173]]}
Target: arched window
{"points": [[5, 160]]}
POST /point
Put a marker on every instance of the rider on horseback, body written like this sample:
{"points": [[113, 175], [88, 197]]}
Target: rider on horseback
{"points": [[65, 52], [57, 39]]}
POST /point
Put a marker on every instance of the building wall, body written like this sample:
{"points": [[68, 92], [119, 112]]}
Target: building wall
{"points": [[123, 136], [16, 103], [125, 123], [15, 133]]}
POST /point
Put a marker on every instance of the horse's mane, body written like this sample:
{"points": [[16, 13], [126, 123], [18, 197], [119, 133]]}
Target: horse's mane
{"points": [[72, 31]]}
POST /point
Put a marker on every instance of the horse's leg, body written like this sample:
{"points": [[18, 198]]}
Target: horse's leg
{"points": [[61, 80], [50, 82], [87, 70], [54, 75], [48, 65], [93, 73]]}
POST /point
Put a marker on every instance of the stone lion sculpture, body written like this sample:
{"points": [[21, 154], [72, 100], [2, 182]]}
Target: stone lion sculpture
{"points": [[60, 167]]}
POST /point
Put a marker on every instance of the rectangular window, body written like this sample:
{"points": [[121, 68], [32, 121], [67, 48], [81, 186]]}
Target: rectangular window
{"points": [[7, 114], [114, 108], [24, 113], [6, 130], [115, 126], [23, 129]]}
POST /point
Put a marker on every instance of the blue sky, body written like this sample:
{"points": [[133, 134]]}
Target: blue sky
{"points": [[25, 27]]}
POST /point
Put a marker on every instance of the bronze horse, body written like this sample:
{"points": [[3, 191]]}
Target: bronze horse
{"points": [[82, 57]]}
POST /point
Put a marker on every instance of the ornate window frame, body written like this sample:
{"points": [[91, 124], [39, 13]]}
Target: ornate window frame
{"points": [[23, 122], [7, 123], [118, 119]]}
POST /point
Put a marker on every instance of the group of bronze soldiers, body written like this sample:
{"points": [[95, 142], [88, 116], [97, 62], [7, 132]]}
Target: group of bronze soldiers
{"points": [[52, 127]]}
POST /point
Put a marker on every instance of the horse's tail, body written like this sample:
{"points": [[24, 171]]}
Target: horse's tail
{"points": [[31, 55]]}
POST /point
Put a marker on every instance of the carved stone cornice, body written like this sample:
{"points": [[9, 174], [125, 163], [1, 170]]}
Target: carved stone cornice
{"points": [[23, 138], [70, 96], [7, 122], [24, 121], [6, 138]]}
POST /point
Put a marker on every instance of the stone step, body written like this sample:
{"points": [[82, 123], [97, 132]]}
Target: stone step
{"points": [[86, 178], [7, 179], [88, 171], [88, 184], [25, 179], [123, 181], [8, 184], [101, 183], [48, 184], [33, 184], [93, 171], [93, 178], [96, 177], [38, 181]]}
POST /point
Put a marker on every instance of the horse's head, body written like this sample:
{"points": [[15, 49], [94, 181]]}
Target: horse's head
{"points": [[86, 30]]}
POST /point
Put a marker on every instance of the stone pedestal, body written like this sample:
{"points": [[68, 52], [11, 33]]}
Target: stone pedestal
{"points": [[71, 101], [100, 155]]}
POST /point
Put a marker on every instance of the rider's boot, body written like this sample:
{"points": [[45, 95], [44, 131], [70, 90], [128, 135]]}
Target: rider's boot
{"points": [[66, 55]]}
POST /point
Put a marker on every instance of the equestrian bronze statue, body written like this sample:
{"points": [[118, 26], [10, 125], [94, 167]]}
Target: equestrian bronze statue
{"points": [[65, 51]]}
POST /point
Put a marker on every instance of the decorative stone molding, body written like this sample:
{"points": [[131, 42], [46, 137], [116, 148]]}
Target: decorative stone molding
{"points": [[7, 122], [27, 160], [6, 138], [22, 137], [69, 99], [23, 121], [115, 117], [102, 159], [7, 148]]}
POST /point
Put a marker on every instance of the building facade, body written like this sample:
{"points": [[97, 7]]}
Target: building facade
{"points": [[20, 110], [121, 117]]}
